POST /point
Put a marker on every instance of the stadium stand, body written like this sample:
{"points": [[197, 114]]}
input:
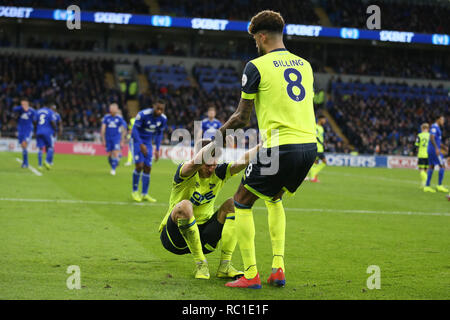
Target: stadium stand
{"points": [[419, 16], [385, 118], [77, 86], [132, 6], [223, 77], [402, 15], [163, 75]]}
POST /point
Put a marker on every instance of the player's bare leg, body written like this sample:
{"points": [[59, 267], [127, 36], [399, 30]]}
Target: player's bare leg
{"points": [[183, 215], [226, 217]]}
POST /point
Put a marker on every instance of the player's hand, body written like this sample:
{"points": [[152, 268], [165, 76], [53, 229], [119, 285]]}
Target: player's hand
{"points": [[121, 144], [438, 153], [157, 154], [144, 150]]}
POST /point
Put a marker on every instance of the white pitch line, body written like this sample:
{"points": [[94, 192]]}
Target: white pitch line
{"points": [[31, 168], [352, 175], [162, 204]]}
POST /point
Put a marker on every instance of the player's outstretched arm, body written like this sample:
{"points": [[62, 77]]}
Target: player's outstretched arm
{"points": [[243, 162], [192, 166], [240, 118]]}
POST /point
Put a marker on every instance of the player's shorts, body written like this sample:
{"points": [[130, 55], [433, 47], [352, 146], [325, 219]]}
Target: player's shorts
{"points": [[210, 234], [320, 156], [139, 157], [44, 140], [25, 136], [295, 160], [422, 163], [112, 144], [434, 160]]}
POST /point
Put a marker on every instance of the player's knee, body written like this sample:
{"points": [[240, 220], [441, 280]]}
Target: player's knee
{"points": [[139, 167], [182, 210], [244, 198], [147, 169]]}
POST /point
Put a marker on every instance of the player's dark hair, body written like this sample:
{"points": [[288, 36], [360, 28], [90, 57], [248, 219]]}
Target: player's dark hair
{"points": [[266, 20], [438, 116], [321, 117], [212, 107], [160, 101], [24, 99]]}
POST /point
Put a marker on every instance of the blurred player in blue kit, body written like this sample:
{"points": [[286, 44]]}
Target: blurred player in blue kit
{"points": [[435, 156], [25, 127], [58, 130], [210, 124], [113, 132], [149, 125], [45, 128]]}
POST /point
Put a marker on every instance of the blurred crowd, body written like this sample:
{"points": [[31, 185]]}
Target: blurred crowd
{"points": [[374, 124], [375, 61], [77, 86], [131, 6], [292, 11], [385, 124], [349, 59], [403, 15]]}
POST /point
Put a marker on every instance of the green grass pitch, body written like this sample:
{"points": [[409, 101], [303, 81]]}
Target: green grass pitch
{"points": [[83, 216]]}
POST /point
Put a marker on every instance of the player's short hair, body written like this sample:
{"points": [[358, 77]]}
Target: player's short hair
{"points": [[439, 115], [425, 126], [266, 20], [321, 117], [160, 101], [24, 99]]}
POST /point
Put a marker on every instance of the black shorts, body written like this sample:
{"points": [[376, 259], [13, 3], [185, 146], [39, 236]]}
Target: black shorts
{"points": [[295, 160], [321, 156], [210, 234], [422, 163]]}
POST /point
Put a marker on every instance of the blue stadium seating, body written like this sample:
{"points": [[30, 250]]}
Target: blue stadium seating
{"points": [[167, 75]]}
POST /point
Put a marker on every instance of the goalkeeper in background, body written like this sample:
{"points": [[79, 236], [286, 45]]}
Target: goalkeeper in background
{"points": [[422, 145], [130, 143]]}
